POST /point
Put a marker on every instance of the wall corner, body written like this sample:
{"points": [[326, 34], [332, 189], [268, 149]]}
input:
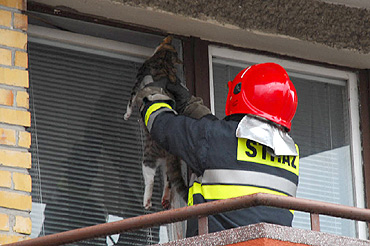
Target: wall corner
{"points": [[15, 119]]}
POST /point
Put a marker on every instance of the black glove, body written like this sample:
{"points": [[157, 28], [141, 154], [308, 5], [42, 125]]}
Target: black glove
{"points": [[181, 95]]}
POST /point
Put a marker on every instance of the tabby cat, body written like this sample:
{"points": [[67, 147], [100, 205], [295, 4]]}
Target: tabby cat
{"points": [[160, 65]]}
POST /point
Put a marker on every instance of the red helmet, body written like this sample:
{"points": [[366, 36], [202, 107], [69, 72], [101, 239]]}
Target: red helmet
{"points": [[264, 90]]}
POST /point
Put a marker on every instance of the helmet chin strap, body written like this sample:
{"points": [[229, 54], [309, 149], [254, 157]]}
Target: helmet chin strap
{"points": [[262, 131]]}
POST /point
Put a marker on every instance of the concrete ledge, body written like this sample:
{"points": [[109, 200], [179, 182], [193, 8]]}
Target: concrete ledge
{"points": [[306, 29], [269, 231]]}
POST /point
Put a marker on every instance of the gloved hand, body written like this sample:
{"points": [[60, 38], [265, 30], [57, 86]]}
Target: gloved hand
{"points": [[181, 95], [186, 104], [195, 108], [153, 91]]}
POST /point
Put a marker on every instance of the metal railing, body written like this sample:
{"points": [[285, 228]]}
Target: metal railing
{"points": [[202, 211]]}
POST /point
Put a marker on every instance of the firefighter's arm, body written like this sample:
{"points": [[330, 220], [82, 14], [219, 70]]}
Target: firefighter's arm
{"points": [[180, 135], [186, 104], [153, 91], [151, 110]]}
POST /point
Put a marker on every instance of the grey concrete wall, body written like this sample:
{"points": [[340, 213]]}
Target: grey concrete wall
{"points": [[333, 25], [306, 29]]}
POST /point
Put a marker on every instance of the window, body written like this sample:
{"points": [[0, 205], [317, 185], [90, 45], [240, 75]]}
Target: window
{"points": [[325, 127], [86, 166]]}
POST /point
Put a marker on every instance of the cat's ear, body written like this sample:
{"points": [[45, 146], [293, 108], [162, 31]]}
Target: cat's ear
{"points": [[166, 44], [167, 40]]}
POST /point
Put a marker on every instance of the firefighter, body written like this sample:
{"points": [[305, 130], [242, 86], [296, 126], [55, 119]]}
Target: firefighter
{"points": [[248, 152]]}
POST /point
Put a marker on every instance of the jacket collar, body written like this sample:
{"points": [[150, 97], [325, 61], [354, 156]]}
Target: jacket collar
{"points": [[267, 134]]}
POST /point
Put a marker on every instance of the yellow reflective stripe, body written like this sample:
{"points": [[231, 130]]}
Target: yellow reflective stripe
{"points": [[254, 152], [218, 192], [196, 188], [153, 108], [211, 192], [190, 197]]}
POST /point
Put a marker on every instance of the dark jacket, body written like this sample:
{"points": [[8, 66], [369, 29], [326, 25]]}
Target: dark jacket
{"points": [[225, 167]]}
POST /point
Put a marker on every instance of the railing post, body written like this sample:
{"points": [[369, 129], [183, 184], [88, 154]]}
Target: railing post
{"points": [[202, 225], [315, 222]]}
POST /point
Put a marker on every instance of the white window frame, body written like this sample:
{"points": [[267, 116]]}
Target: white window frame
{"points": [[238, 57]]}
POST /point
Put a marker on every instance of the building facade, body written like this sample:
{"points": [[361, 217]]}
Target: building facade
{"points": [[15, 140], [67, 68]]}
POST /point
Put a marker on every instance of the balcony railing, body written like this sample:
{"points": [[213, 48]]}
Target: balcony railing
{"points": [[202, 211]]}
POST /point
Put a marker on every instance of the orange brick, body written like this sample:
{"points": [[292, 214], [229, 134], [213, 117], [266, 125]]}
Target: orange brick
{"points": [[4, 222], [5, 18], [5, 180], [15, 117], [5, 57], [13, 158], [22, 182], [22, 225], [20, 21], [7, 136], [21, 59], [24, 139], [22, 99], [15, 201], [6, 238], [13, 39], [18, 4], [6, 97], [16, 77]]}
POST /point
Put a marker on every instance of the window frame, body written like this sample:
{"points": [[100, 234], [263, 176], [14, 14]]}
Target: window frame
{"points": [[222, 52], [351, 79], [90, 44], [108, 48]]}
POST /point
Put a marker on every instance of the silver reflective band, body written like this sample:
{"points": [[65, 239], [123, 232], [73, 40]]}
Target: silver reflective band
{"points": [[227, 176], [154, 114], [267, 134]]}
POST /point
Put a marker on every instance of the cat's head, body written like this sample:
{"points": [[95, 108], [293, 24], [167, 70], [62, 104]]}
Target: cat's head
{"points": [[166, 48]]}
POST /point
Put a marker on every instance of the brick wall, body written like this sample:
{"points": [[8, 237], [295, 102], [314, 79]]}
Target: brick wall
{"points": [[15, 159]]}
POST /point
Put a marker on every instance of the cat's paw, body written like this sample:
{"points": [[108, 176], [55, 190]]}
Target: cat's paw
{"points": [[127, 116], [166, 196], [147, 204], [166, 204]]}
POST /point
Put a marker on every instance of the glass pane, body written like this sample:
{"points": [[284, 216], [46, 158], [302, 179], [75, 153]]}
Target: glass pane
{"points": [[321, 130], [86, 165]]}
